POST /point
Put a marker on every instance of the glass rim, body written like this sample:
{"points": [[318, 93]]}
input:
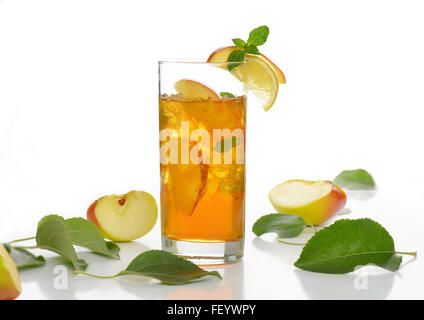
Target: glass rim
{"points": [[196, 61]]}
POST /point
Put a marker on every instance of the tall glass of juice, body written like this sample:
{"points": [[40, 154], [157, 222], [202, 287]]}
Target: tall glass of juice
{"points": [[202, 122]]}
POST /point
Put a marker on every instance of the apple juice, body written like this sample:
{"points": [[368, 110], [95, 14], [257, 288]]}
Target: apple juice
{"points": [[202, 168]]}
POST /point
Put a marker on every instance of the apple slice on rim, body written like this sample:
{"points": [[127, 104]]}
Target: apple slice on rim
{"points": [[191, 90], [221, 55], [124, 217], [315, 201], [10, 284]]}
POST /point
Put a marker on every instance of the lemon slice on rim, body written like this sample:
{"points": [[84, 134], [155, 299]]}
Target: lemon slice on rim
{"points": [[258, 76]]}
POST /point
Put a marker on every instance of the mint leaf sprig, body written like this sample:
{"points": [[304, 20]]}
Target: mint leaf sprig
{"points": [[257, 37], [227, 94]]}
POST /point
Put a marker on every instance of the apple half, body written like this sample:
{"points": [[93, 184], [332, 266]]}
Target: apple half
{"points": [[124, 217], [10, 284], [315, 201]]}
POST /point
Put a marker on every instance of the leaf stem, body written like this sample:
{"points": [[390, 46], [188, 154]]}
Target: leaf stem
{"points": [[292, 243], [23, 239], [93, 275], [25, 247], [407, 253], [312, 226]]}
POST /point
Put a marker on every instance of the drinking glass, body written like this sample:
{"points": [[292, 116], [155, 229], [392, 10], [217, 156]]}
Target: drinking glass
{"points": [[202, 123]]}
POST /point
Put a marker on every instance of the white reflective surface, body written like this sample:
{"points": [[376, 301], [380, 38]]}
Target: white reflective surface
{"points": [[266, 272], [78, 120]]}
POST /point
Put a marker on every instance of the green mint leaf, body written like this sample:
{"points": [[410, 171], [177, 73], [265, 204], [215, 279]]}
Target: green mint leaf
{"points": [[252, 49], [235, 56], [258, 36], [233, 65], [227, 94], [239, 43], [226, 144], [23, 258], [85, 234], [166, 267], [52, 235], [358, 179], [347, 244], [285, 225]]}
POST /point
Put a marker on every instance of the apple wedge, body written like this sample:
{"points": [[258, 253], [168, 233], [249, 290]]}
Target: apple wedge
{"points": [[191, 90], [10, 284], [315, 201], [124, 217], [187, 185]]}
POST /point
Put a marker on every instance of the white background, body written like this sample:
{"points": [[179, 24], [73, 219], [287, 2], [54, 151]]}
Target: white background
{"points": [[78, 120]]}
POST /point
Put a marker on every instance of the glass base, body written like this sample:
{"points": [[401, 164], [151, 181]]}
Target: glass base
{"points": [[205, 253]]}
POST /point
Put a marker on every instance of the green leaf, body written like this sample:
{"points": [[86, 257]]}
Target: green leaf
{"points": [[358, 179], [393, 263], [82, 264], [166, 267], [285, 225], [227, 94], [52, 235], [258, 36], [23, 258], [252, 49], [239, 43], [113, 248], [85, 234], [347, 244], [226, 144], [235, 56]]}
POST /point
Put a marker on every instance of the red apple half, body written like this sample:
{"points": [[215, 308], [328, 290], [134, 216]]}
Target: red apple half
{"points": [[124, 217], [315, 201]]}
